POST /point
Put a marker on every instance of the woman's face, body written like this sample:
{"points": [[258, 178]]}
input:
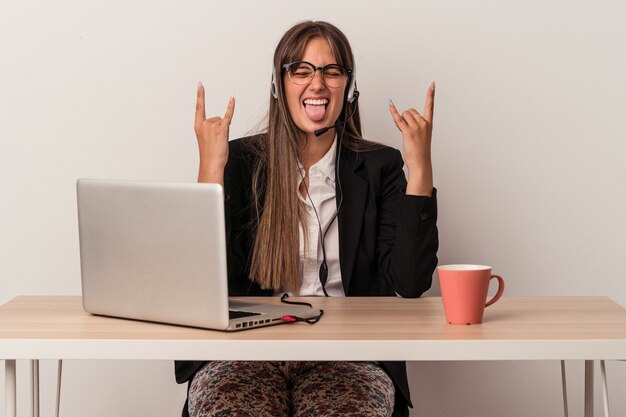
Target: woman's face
{"points": [[314, 106]]}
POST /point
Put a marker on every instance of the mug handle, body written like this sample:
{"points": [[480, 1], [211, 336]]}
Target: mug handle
{"points": [[500, 290]]}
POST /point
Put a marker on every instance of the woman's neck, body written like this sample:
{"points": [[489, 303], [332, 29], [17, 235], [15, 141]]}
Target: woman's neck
{"points": [[315, 147]]}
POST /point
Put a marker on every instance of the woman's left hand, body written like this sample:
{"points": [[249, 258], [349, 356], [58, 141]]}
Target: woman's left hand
{"points": [[417, 132]]}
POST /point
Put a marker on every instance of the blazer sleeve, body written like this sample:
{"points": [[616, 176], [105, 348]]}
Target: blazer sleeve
{"points": [[407, 233]]}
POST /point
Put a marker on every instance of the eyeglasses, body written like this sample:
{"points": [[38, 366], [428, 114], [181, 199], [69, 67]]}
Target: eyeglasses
{"points": [[302, 73]]}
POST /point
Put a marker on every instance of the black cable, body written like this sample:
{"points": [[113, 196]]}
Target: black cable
{"points": [[291, 318], [323, 272]]}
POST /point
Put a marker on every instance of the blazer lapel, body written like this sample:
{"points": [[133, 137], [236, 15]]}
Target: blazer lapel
{"points": [[354, 189]]}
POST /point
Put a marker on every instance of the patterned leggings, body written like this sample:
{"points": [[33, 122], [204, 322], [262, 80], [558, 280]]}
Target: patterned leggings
{"points": [[298, 389]]}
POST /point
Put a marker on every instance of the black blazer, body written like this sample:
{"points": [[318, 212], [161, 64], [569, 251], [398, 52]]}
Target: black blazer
{"points": [[388, 240]]}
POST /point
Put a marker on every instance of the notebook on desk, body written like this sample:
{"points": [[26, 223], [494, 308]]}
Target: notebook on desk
{"points": [[157, 252]]}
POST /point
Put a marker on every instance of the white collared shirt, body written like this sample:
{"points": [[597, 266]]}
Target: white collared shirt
{"points": [[322, 199]]}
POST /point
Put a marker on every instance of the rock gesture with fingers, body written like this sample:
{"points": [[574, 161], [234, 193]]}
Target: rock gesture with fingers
{"points": [[417, 132], [212, 135]]}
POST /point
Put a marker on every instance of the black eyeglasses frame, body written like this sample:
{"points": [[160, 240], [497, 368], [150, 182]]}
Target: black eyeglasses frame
{"points": [[315, 69]]}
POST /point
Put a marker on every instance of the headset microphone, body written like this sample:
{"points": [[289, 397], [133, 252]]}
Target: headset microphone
{"points": [[320, 132]]}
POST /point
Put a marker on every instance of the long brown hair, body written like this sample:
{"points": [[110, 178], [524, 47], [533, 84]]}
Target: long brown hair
{"points": [[280, 214]]}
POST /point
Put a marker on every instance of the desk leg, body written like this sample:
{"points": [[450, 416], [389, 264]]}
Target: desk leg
{"points": [[59, 371], [564, 386], [34, 387], [9, 375], [605, 389], [589, 388]]}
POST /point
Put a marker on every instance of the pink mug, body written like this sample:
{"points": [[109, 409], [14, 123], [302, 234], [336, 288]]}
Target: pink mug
{"points": [[464, 292]]}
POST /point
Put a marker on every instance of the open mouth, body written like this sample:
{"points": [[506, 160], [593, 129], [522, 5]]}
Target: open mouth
{"points": [[315, 108]]}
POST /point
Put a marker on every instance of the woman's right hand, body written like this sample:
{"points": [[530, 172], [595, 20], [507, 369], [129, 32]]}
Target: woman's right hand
{"points": [[212, 135]]}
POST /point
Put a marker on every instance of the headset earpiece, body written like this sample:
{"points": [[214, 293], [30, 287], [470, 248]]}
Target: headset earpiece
{"points": [[353, 94], [274, 88]]}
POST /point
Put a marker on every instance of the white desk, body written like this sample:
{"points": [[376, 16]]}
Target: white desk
{"points": [[515, 328]]}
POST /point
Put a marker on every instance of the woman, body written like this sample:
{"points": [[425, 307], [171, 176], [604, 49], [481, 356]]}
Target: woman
{"points": [[315, 209]]}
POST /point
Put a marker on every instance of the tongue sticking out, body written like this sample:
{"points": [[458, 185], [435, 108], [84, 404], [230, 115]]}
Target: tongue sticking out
{"points": [[315, 113]]}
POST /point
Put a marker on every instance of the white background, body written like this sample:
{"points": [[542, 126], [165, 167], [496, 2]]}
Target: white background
{"points": [[528, 147]]}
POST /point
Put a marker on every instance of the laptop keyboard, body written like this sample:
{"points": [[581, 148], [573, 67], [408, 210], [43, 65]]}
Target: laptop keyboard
{"points": [[232, 314]]}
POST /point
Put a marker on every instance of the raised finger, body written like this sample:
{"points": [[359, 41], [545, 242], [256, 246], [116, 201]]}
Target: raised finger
{"points": [[200, 115], [397, 118], [429, 107], [230, 110], [413, 117]]}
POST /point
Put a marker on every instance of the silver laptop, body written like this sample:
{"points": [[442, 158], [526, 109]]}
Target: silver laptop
{"points": [[157, 251]]}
